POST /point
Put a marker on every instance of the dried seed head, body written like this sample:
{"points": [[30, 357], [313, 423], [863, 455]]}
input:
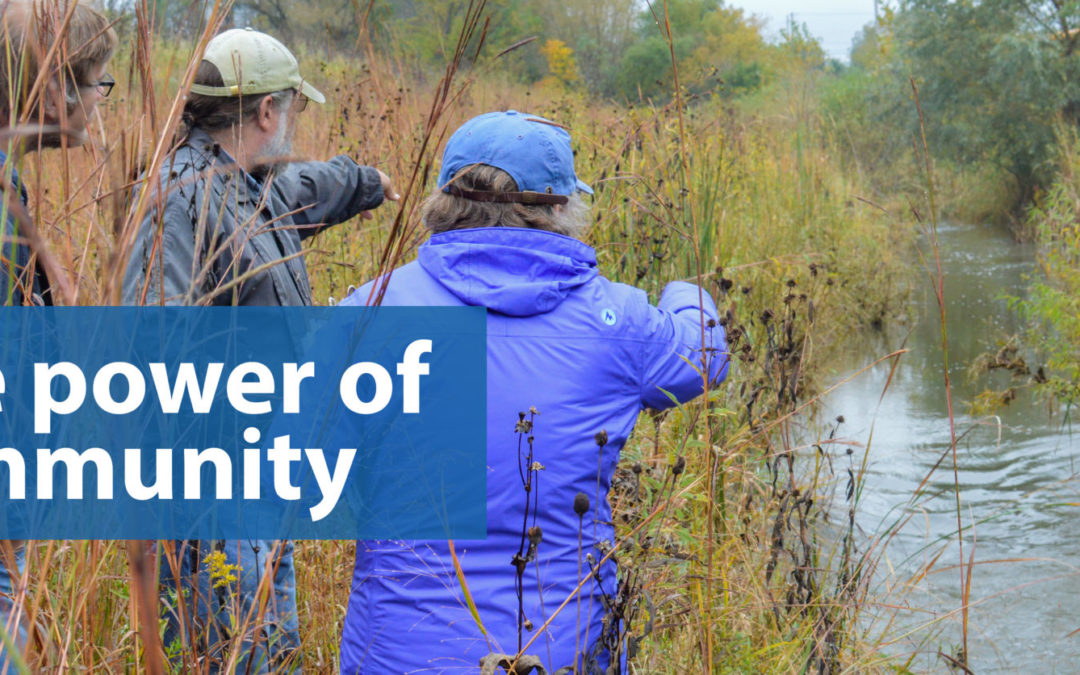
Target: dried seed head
{"points": [[679, 466], [535, 535], [522, 425], [636, 468], [601, 438], [581, 504]]}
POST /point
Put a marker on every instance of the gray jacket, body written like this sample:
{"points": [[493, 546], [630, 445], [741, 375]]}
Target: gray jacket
{"points": [[217, 235]]}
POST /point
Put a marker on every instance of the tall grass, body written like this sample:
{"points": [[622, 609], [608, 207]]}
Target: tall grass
{"points": [[725, 496]]}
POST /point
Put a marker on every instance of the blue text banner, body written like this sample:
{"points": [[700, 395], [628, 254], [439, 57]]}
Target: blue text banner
{"points": [[243, 422]]}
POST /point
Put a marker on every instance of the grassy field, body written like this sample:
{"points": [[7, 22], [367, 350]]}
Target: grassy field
{"points": [[733, 512]]}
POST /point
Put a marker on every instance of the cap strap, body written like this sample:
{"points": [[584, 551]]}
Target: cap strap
{"points": [[204, 90], [527, 197]]}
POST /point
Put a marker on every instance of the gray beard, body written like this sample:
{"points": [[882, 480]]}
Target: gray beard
{"points": [[278, 149]]}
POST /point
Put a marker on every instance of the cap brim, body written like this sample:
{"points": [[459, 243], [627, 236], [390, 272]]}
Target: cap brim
{"points": [[584, 187], [311, 92]]}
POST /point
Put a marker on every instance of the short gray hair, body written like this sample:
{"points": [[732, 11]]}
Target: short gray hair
{"points": [[442, 212]]}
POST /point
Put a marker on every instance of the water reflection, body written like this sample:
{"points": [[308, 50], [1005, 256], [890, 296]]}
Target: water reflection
{"points": [[1016, 476]]}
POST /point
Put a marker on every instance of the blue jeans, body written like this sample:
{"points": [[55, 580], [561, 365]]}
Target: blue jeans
{"points": [[7, 609], [224, 600]]}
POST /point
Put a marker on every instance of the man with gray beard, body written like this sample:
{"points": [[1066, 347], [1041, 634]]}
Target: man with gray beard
{"points": [[225, 228], [227, 224]]}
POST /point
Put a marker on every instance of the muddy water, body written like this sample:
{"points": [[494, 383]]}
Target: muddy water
{"points": [[1017, 474]]}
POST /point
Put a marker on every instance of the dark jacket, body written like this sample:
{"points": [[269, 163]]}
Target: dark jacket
{"points": [[218, 235], [16, 272], [588, 354]]}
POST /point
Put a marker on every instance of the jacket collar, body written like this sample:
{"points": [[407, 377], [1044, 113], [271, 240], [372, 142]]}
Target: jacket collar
{"points": [[513, 270]]}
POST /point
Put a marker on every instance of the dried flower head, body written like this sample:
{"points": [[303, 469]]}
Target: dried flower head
{"points": [[581, 504]]}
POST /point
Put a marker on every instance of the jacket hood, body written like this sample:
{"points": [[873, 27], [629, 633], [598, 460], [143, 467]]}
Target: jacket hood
{"points": [[511, 270]]}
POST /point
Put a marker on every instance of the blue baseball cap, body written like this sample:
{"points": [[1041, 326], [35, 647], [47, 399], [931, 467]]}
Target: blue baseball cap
{"points": [[534, 151]]}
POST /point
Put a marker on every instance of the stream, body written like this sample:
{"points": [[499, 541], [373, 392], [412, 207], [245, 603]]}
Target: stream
{"points": [[1017, 475]]}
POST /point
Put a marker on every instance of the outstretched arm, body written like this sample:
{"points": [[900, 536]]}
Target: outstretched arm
{"points": [[327, 193], [674, 358]]}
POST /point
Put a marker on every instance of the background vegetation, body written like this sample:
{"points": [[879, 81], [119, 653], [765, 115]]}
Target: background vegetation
{"points": [[768, 173]]}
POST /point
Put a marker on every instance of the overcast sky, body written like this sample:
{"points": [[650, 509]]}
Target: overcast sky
{"points": [[834, 22]]}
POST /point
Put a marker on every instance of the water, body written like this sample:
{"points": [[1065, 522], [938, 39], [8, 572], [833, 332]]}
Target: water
{"points": [[1017, 477]]}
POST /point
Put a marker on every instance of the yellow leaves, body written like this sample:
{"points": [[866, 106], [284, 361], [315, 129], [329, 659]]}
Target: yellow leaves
{"points": [[561, 64]]}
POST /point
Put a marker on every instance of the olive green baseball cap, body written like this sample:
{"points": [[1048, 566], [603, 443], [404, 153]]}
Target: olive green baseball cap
{"points": [[253, 63]]}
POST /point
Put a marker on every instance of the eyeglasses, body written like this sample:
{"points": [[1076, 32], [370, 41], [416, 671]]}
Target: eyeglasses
{"points": [[300, 102], [105, 85]]}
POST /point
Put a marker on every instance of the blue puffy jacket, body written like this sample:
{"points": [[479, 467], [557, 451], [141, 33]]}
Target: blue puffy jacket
{"points": [[588, 354]]}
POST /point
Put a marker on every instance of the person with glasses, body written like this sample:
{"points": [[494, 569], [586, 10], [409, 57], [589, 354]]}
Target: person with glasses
{"points": [[235, 150], [53, 116], [227, 218]]}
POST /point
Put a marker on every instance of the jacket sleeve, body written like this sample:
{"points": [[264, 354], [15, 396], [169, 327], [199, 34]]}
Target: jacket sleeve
{"points": [[674, 360], [327, 193]]}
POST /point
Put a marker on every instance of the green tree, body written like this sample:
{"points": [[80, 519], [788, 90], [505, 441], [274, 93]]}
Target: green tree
{"points": [[717, 48], [994, 76]]}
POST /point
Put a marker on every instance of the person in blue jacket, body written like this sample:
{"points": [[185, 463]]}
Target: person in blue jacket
{"points": [[587, 354]]}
